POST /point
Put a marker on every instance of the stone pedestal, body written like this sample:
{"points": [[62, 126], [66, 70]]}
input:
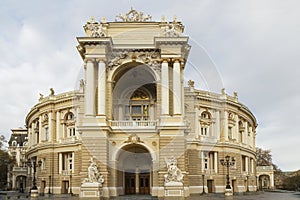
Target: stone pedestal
{"points": [[228, 192], [34, 193], [174, 190], [91, 191]]}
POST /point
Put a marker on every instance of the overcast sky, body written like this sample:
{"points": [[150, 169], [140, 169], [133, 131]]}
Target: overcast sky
{"points": [[248, 46]]}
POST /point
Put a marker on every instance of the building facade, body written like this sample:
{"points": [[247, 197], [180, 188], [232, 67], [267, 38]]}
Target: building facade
{"points": [[17, 177], [134, 119]]}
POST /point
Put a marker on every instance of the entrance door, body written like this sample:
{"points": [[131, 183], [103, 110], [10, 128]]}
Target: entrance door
{"points": [[144, 183], [129, 183], [210, 186], [65, 187]]}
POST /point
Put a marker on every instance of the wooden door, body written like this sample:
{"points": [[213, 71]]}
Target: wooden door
{"points": [[210, 186], [65, 187], [130, 183], [144, 182]]}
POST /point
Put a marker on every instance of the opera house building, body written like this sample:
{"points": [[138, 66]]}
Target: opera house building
{"points": [[133, 127]]}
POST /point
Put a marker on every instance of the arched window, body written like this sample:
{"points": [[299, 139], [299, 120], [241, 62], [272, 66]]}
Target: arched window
{"points": [[205, 122], [70, 124]]}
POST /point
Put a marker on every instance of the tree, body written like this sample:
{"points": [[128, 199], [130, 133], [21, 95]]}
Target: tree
{"points": [[264, 157], [292, 183], [5, 161]]}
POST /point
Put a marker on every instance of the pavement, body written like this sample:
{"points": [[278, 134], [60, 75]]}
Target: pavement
{"points": [[273, 195]]}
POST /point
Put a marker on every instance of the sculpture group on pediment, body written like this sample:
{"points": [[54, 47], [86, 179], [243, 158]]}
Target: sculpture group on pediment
{"points": [[134, 16], [172, 30], [94, 175], [95, 28], [174, 173]]}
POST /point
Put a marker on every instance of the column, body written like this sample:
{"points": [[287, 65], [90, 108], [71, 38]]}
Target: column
{"points": [[60, 163], [50, 126], [252, 165], [196, 122], [225, 125], [236, 132], [164, 88], [202, 161], [246, 164], [89, 95], [73, 161], [246, 138], [57, 126], [272, 181], [176, 88], [101, 87], [216, 161], [218, 131], [33, 136]]}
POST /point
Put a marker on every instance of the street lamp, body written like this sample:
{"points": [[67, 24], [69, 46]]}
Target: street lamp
{"points": [[71, 193], [32, 163], [203, 190], [49, 185], [227, 163]]}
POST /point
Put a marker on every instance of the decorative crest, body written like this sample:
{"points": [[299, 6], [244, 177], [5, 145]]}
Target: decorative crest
{"points": [[134, 16]]}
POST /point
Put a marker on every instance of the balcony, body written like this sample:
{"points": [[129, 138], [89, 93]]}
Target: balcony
{"points": [[20, 170], [133, 125]]}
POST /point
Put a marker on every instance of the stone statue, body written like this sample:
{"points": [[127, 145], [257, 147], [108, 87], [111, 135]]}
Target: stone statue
{"points": [[95, 28], [94, 176], [171, 30], [191, 83], [174, 173], [223, 91], [41, 96], [52, 91], [81, 84]]}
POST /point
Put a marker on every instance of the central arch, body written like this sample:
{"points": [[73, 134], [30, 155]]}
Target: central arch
{"points": [[134, 169]]}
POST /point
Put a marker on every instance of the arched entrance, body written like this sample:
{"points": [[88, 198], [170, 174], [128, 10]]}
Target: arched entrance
{"points": [[134, 93], [135, 169], [264, 182], [21, 183]]}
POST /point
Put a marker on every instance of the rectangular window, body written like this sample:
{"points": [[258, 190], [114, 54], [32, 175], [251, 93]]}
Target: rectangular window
{"points": [[136, 110], [67, 164], [43, 164], [230, 133], [46, 134], [71, 131], [243, 163]]}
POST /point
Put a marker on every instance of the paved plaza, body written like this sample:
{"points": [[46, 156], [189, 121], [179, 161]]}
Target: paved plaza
{"points": [[278, 195]]}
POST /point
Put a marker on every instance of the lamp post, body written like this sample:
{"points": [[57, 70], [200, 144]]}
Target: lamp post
{"points": [[247, 189], [203, 190], [32, 163], [227, 163], [49, 185], [71, 193]]}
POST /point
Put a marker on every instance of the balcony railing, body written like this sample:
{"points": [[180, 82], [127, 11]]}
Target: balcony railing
{"points": [[20, 169], [131, 124]]}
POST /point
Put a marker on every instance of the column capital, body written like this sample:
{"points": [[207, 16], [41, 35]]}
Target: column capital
{"points": [[178, 60], [103, 60], [89, 60], [164, 60]]}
